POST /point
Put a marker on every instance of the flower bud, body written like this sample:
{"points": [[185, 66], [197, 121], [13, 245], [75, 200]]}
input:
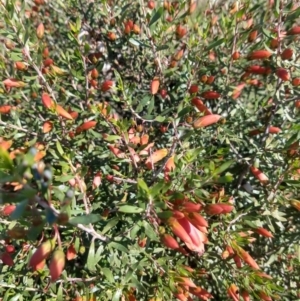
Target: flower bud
{"points": [[57, 264], [40, 31], [41, 253], [169, 241]]}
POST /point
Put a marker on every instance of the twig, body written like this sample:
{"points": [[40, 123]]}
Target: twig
{"points": [[235, 220], [139, 117], [91, 231], [79, 279], [131, 152], [4, 222], [38, 71], [240, 157], [125, 180], [86, 79], [82, 190], [28, 289], [233, 49], [17, 128], [157, 59]]}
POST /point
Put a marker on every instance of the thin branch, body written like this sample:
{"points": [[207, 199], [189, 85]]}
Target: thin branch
{"points": [[28, 289], [125, 180], [38, 71], [82, 190], [18, 128], [79, 279], [157, 58], [91, 231], [235, 220], [139, 117], [86, 79]]}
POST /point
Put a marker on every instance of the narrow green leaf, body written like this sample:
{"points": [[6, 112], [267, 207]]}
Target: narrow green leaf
{"points": [[108, 274], [225, 179], [118, 246], [130, 209], [215, 44], [184, 111], [267, 33], [110, 225], [160, 119], [156, 189], [294, 15], [142, 185], [277, 7], [91, 257], [112, 137], [98, 253], [59, 148], [157, 15], [149, 231], [5, 161], [63, 179], [128, 276], [164, 214], [151, 106], [162, 47], [15, 298], [60, 295], [117, 295], [136, 283], [223, 167], [86, 219]]}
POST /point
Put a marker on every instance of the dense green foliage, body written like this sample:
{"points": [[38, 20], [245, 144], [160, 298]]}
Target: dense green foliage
{"points": [[118, 119]]}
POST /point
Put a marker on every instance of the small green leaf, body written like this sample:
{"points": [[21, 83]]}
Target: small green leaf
{"points": [[59, 148], [118, 246], [108, 274], [228, 178], [156, 189], [60, 295], [215, 44], [157, 15], [149, 231], [277, 7], [164, 214], [63, 179], [184, 111], [162, 47], [113, 222], [5, 161], [279, 215], [267, 33], [295, 14], [86, 219], [128, 276], [91, 257], [160, 119], [223, 167], [117, 295], [151, 106], [15, 298], [112, 137], [142, 185], [130, 209]]}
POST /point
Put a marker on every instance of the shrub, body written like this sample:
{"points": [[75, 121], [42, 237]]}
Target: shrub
{"points": [[149, 150]]}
